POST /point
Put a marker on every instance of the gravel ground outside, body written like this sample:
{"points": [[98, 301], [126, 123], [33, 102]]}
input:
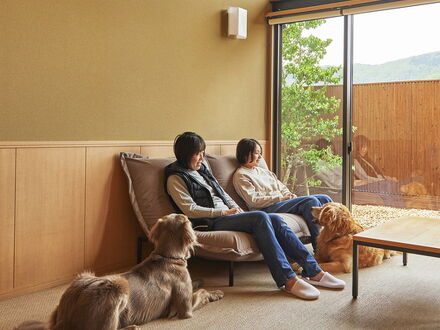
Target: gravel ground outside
{"points": [[370, 215]]}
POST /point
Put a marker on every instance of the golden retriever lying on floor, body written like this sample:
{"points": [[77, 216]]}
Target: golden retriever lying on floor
{"points": [[160, 286], [335, 242]]}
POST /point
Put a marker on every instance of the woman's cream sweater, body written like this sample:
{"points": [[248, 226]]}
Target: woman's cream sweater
{"points": [[258, 187]]}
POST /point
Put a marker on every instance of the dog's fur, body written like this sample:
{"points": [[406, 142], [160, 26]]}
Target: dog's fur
{"points": [[335, 241], [158, 287], [414, 188]]}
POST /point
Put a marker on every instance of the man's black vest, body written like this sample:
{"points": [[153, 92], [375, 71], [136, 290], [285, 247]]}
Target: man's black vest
{"points": [[199, 193]]}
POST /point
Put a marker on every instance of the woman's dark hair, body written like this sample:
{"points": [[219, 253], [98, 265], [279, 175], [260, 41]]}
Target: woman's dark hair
{"points": [[245, 148], [365, 162], [360, 141], [186, 145]]}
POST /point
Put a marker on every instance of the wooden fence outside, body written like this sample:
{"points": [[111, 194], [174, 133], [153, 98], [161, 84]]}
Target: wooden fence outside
{"points": [[402, 120]]}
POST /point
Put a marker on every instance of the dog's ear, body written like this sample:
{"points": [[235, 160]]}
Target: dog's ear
{"points": [[343, 221], [189, 237], [156, 230], [327, 216], [333, 214], [180, 217]]}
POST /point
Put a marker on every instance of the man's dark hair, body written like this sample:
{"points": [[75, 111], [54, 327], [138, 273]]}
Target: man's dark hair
{"points": [[186, 145], [245, 148]]}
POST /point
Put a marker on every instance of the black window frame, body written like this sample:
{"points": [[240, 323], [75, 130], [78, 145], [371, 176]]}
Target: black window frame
{"points": [[347, 176]]}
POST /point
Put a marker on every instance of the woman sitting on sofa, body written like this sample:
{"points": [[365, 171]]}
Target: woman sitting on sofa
{"points": [[196, 193], [261, 189]]}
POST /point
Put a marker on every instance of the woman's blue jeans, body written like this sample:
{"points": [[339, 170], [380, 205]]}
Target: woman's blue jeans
{"points": [[301, 206], [276, 241]]}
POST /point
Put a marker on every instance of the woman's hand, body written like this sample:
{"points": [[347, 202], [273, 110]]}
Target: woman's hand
{"points": [[289, 196], [235, 210]]}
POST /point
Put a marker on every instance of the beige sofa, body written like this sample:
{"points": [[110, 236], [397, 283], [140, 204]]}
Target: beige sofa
{"points": [[146, 187]]}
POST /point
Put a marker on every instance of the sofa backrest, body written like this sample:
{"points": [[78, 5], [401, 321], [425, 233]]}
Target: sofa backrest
{"points": [[145, 178]]}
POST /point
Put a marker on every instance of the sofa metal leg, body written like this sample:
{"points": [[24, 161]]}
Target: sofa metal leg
{"points": [[231, 273]]}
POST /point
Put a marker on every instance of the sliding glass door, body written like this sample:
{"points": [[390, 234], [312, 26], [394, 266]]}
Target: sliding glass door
{"points": [[311, 92], [396, 108]]}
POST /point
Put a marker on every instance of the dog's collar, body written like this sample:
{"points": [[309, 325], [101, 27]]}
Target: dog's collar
{"points": [[159, 256], [175, 258], [336, 237]]}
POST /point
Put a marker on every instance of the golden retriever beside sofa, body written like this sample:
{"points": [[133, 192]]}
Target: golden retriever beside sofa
{"points": [[335, 242], [160, 286]]}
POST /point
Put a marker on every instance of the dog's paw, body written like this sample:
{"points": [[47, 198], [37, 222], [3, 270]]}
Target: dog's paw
{"points": [[186, 315], [196, 284], [216, 295]]}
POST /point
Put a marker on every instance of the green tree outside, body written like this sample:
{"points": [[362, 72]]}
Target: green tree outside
{"points": [[307, 114]]}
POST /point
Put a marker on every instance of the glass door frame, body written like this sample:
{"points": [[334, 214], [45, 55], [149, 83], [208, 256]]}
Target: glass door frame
{"points": [[346, 154]]}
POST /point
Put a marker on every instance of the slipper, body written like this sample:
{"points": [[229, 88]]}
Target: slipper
{"points": [[303, 290], [327, 281]]}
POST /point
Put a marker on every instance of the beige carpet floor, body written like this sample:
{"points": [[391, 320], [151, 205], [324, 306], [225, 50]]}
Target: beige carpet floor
{"points": [[391, 296]]}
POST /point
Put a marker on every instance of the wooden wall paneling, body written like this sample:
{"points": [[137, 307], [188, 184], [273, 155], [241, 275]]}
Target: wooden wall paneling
{"points": [[157, 151], [228, 149], [110, 227], [214, 148], [7, 209], [49, 229]]}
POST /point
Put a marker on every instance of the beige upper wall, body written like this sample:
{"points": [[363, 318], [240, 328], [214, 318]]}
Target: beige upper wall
{"points": [[130, 70]]}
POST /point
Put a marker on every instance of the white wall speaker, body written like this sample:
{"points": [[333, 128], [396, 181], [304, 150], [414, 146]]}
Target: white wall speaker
{"points": [[237, 23]]}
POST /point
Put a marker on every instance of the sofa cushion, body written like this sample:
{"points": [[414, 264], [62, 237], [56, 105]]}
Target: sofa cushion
{"points": [[298, 226], [146, 188], [227, 245]]}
